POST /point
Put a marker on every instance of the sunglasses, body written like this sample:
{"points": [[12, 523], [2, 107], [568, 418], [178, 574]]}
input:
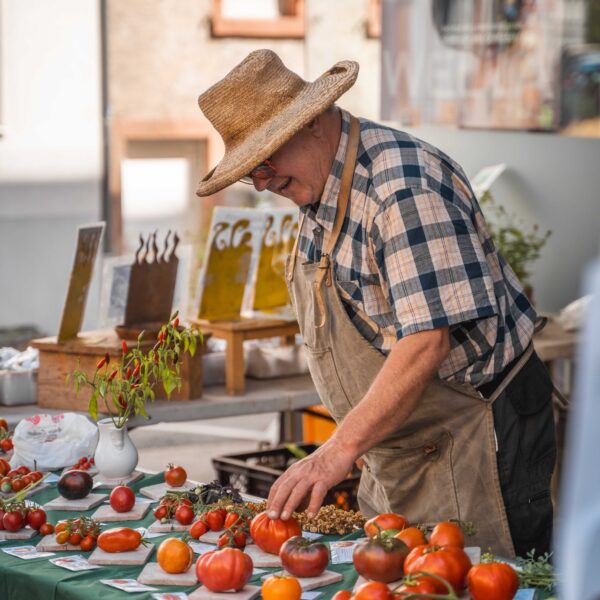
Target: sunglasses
{"points": [[263, 171]]}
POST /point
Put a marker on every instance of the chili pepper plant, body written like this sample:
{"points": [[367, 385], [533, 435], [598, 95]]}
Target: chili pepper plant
{"points": [[124, 386]]}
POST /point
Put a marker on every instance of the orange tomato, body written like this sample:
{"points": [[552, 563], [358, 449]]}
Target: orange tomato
{"points": [[119, 539], [281, 587], [412, 537], [373, 590], [269, 534], [174, 555], [383, 522], [447, 533]]}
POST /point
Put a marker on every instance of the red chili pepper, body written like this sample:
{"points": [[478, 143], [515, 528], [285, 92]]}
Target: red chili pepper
{"points": [[124, 346], [128, 373], [113, 375], [176, 322], [122, 402], [135, 385], [101, 363], [136, 371], [161, 336]]}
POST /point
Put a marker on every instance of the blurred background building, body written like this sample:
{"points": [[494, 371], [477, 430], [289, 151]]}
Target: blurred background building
{"points": [[99, 116]]}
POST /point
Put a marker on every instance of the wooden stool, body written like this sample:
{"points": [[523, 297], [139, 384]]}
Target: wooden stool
{"points": [[234, 332]]}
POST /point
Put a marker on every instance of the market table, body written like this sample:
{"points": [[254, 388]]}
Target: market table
{"points": [[38, 579]]}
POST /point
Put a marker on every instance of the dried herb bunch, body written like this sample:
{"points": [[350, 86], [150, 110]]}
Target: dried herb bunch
{"points": [[125, 386]]}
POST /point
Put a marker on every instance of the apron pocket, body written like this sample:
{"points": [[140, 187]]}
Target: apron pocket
{"points": [[327, 381], [417, 478]]}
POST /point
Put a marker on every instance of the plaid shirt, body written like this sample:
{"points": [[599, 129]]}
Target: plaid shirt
{"points": [[415, 254]]}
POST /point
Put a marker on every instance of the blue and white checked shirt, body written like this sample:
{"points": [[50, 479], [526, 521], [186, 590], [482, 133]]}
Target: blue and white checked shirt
{"points": [[415, 254]]}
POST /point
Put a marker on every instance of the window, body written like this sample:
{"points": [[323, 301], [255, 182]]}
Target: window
{"points": [[258, 19]]}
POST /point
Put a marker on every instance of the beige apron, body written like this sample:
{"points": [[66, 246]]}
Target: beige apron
{"points": [[442, 463]]}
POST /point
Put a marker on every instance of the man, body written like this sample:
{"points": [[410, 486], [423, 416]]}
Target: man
{"points": [[417, 333]]}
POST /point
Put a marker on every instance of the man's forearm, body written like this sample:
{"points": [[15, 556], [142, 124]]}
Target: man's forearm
{"points": [[394, 393]]}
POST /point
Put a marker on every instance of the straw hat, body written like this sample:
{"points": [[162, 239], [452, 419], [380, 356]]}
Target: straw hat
{"points": [[259, 106]]}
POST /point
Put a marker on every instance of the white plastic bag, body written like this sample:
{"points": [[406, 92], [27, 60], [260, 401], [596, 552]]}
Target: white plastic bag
{"points": [[48, 442]]}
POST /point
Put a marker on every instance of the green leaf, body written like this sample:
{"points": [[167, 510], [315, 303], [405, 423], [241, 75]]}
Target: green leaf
{"points": [[93, 405]]}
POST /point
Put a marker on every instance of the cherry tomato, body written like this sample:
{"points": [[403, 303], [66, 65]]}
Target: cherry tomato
{"points": [[62, 537], [61, 526], [198, 529], [6, 445], [160, 512], [184, 514], [88, 543], [47, 529], [235, 539], [215, 519], [36, 518], [75, 538], [17, 484], [23, 470]]}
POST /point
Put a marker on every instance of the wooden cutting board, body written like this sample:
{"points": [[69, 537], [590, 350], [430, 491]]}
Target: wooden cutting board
{"points": [[312, 583], [153, 574], [250, 592], [108, 514], [23, 534], [262, 559], [157, 491], [136, 557], [87, 503], [169, 527], [101, 482], [49, 544]]}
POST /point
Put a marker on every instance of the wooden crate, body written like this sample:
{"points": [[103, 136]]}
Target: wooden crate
{"points": [[59, 359]]}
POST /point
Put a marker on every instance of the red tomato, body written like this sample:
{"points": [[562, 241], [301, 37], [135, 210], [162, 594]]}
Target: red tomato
{"points": [[450, 563], [23, 470], [75, 538], [373, 590], [198, 529], [184, 514], [36, 475], [380, 559], [232, 519], [122, 499], [6, 445], [418, 585], [447, 533], [383, 522], [2, 513], [46, 529], [233, 539], [3, 424], [304, 558], [215, 519], [160, 512], [492, 581], [13, 520], [224, 570], [175, 476], [412, 537], [269, 534], [17, 484], [36, 518], [88, 543], [4, 467]]}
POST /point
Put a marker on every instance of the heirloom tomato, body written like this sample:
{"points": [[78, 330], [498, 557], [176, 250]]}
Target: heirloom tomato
{"points": [[269, 534], [447, 533], [373, 590], [303, 558], [383, 522], [380, 558], [174, 555], [175, 476], [119, 539], [450, 563], [281, 587], [122, 499], [492, 581], [412, 537], [224, 570]]}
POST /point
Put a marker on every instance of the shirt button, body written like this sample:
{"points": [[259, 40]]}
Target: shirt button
{"points": [[317, 230]]}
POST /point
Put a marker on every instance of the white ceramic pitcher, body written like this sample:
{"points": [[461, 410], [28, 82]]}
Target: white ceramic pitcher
{"points": [[115, 456]]}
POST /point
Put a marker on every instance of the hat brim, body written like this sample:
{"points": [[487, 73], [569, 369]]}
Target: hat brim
{"points": [[265, 140]]}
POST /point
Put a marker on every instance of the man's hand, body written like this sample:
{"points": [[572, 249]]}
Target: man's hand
{"points": [[312, 476]]}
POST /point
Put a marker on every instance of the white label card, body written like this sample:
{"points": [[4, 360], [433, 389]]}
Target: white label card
{"points": [[128, 585]]}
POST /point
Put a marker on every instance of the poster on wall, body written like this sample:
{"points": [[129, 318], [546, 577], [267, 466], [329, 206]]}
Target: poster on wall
{"points": [[493, 64]]}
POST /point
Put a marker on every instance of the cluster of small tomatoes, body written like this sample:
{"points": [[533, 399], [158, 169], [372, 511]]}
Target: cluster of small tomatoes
{"points": [[16, 515], [85, 463], [14, 480], [6, 443], [82, 531]]}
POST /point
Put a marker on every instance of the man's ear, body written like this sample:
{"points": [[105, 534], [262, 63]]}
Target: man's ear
{"points": [[315, 127]]}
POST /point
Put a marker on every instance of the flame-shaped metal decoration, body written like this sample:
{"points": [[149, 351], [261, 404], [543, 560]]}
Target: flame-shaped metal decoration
{"points": [[152, 281]]}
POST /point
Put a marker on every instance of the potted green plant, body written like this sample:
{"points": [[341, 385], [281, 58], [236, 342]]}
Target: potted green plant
{"points": [[519, 245], [126, 385]]}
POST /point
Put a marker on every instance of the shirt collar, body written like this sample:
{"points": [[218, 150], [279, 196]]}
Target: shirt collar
{"points": [[324, 212]]}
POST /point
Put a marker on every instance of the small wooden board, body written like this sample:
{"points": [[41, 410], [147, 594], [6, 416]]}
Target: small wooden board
{"points": [[136, 557], [170, 527], [23, 534], [35, 490], [153, 574], [49, 544], [101, 482], [312, 583], [157, 491], [87, 503], [250, 592], [108, 514], [262, 559]]}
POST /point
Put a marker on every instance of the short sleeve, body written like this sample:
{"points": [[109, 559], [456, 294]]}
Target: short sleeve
{"points": [[429, 254]]}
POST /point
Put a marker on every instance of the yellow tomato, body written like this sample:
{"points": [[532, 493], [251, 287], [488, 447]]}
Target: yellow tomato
{"points": [[281, 587]]}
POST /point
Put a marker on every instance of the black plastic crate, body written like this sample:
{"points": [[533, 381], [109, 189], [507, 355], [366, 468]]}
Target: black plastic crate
{"points": [[255, 473]]}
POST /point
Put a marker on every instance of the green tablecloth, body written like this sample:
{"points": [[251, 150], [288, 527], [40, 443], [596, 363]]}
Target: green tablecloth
{"points": [[39, 579]]}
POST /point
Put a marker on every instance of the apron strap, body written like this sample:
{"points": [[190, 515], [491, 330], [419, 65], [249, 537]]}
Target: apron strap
{"points": [[512, 374], [324, 270]]}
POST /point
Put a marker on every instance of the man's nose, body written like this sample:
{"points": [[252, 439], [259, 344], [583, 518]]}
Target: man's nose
{"points": [[260, 184]]}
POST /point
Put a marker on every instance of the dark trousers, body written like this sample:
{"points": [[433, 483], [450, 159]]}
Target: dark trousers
{"points": [[524, 424]]}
